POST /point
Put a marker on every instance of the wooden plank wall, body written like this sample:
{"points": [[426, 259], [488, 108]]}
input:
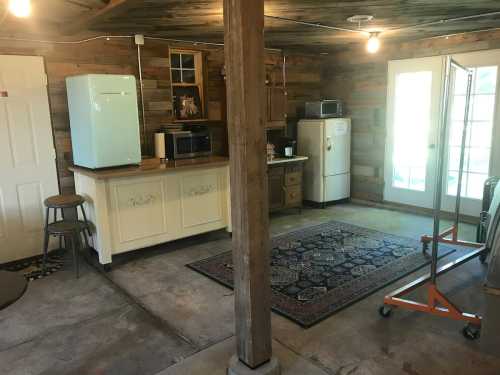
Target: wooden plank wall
{"points": [[360, 79], [119, 56]]}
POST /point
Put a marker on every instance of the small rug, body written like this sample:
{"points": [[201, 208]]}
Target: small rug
{"points": [[32, 268], [320, 270]]}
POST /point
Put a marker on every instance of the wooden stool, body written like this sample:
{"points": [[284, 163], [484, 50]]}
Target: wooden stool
{"points": [[67, 229]]}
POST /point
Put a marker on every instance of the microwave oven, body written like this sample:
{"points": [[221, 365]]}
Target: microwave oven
{"points": [[324, 109], [188, 144]]}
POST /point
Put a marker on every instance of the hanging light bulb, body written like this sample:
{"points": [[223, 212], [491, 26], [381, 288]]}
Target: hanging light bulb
{"points": [[373, 44], [20, 8]]}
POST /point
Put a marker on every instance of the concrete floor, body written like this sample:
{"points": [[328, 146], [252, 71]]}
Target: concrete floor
{"points": [[152, 315]]}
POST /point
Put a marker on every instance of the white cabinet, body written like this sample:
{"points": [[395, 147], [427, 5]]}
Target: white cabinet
{"points": [[138, 212], [134, 212]]}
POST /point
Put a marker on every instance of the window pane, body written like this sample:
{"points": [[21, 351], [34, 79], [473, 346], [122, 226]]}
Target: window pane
{"points": [[454, 158], [175, 60], [453, 183], [486, 80], [460, 82], [479, 160], [187, 61], [456, 133], [483, 107], [176, 76], [458, 108], [188, 76], [475, 185], [411, 128], [481, 134], [417, 179], [401, 178]]}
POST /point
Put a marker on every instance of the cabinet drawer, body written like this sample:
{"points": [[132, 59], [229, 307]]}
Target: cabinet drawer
{"points": [[293, 178], [293, 196], [295, 167], [276, 171]]}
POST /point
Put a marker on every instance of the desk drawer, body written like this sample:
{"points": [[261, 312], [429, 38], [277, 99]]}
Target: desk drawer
{"points": [[293, 196], [293, 178]]}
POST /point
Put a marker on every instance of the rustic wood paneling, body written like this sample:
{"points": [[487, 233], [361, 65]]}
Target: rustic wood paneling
{"points": [[119, 56], [360, 79]]}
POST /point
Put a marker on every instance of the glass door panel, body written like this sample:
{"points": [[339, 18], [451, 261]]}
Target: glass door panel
{"points": [[413, 112], [411, 129], [478, 143]]}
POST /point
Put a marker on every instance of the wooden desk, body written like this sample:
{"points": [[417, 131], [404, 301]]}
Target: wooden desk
{"points": [[285, 183]]}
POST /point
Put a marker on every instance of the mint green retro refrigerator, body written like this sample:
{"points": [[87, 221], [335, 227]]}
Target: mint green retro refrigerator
{"points": [[104, 120]]}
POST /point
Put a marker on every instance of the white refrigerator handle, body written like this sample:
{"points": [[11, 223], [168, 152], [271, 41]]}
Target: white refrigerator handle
{"points": [[329, 143]]}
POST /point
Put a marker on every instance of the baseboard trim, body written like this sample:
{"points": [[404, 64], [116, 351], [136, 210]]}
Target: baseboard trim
{"points": [[414, 210]]}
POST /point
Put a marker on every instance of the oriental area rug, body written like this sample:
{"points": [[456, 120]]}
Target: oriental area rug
{"points": [[320, 270]]}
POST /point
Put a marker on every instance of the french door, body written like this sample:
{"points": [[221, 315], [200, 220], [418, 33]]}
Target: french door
{"points": [[413, 119], [413, 114]]}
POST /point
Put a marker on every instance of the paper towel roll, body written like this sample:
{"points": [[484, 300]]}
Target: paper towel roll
{"points": [[160, 146]]}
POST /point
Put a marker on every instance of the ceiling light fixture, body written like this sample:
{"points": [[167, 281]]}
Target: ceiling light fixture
{"points": [[373, 44], [20, 8]]}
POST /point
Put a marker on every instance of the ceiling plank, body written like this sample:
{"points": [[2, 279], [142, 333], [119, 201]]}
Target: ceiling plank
{"points": [[114, 8]]}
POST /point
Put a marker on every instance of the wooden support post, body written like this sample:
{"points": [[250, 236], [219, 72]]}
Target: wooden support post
{"points": [[244, 57]]}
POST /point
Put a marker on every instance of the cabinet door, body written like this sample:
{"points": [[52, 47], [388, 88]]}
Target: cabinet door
{"points": [[202, 201], [276, 111], [138, 213], [276, 179]]}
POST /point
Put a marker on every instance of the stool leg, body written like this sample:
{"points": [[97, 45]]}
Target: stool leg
{"points": [[84, 232], [45, 239], [85, 220], [74, 245]]}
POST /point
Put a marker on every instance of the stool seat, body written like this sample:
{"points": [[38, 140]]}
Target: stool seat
{"points": [[60, 228], [64, 201]]}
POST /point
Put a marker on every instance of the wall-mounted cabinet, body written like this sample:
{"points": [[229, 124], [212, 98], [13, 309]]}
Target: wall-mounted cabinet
{"points": [[276, 98]]}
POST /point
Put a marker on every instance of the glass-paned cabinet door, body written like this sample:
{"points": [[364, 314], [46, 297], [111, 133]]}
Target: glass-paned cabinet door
{"points": [[183, 67]]}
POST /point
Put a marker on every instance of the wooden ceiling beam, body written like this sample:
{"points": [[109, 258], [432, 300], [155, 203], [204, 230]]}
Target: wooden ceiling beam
{"points": [[114, 8]]}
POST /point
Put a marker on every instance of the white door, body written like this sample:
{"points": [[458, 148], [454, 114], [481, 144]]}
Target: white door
{"points": [[483, 123], [337, 146], [27, 156], [413, 115]]}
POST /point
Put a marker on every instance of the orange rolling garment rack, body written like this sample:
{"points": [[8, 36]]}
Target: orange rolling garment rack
{"points": [[437, 303]]}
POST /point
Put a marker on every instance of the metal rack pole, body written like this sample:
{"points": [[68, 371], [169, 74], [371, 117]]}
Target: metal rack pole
{"points": [[440, 170], [462, 152]]}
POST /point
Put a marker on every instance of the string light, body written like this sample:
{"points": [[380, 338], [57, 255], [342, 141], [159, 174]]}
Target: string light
{"points": [[373, 44], [20, 8]]}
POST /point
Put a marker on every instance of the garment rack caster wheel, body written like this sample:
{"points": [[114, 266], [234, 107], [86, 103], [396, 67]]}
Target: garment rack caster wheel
{"points": [[483, 257], [385, 311], [425, 248], [471, 332]]}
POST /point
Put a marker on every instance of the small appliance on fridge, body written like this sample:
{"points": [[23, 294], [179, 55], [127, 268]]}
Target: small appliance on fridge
{"points": [[327, 173], [104, 120]]}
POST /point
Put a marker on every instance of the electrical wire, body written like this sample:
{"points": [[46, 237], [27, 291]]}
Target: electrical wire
{"points": [[318, 25], [443, 21]]}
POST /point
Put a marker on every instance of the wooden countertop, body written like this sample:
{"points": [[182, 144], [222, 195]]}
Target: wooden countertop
{"points": [[277, 161], [151, 166]]}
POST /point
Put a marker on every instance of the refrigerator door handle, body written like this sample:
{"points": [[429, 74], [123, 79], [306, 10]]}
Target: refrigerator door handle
{"points": [[329, 143]]}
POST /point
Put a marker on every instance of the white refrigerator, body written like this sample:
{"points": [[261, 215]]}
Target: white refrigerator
{"points": [[327, 173]]}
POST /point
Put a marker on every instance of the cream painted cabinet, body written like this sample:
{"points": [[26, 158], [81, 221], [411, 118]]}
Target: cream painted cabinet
{"points": [[138, 212], [135, 212]]}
